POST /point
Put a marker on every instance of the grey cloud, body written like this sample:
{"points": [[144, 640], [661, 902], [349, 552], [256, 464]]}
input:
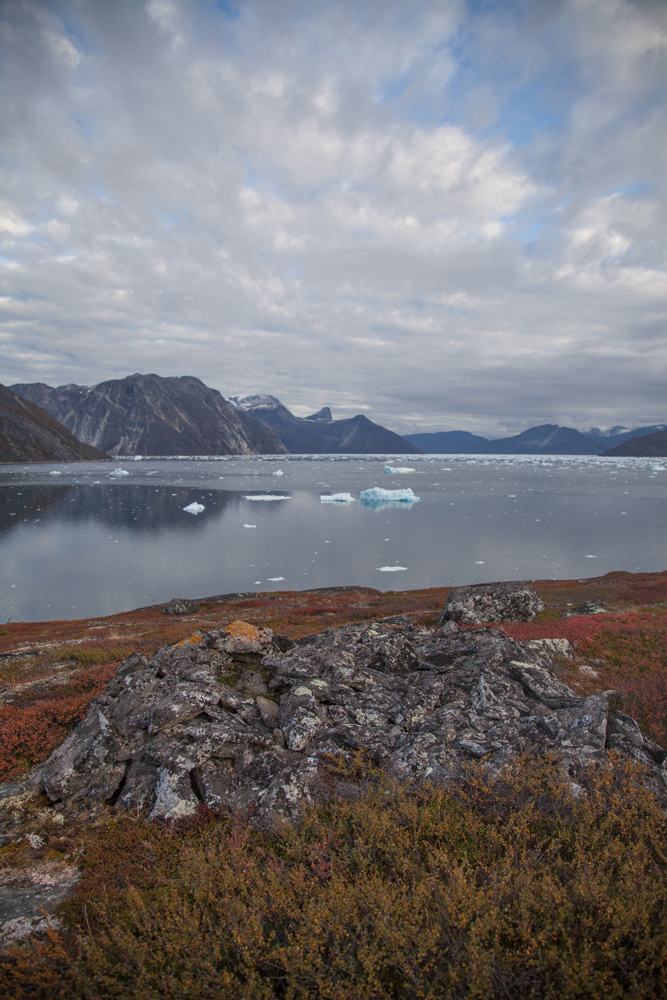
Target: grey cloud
{"points": [[324, 204]]}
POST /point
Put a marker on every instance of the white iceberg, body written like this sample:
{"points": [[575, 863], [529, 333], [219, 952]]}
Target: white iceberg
{"points": [[119, 472], [390, 569], [274, 579], [138, 458], [278, 472], [266, 497], [249, 525], [336, 498], [396, 471], [55, 473], [378, 495], [194, 508]]}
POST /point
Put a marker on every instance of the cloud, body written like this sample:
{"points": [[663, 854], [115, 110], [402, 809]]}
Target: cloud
{"points": [[446, 214]]}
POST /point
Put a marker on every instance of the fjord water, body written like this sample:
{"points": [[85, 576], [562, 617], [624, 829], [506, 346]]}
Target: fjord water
{"points": [[78, 541]]}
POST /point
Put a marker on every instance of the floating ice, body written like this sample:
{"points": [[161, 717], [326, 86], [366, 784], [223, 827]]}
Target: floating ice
{"points": [[657, 468], [138, 458], [390, 569], [266, 497], [590, 557], [278, 472], [274, 579], [479, 562], [336, 498], [249, 525], [390, 469], [194, 508], [119, 472], [55, 473], [378, 495]]}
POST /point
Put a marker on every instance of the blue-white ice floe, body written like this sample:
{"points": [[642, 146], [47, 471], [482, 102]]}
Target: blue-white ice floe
{"points": [[119, 472], [336, 498], [390, 469], [376, 496], [194, 508]]}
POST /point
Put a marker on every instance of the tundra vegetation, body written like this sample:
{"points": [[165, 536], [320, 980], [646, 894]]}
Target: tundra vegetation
{"points": [[494, 887]]}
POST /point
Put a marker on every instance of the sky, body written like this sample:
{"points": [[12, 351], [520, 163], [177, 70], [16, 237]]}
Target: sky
{"points": [[445, 215]]}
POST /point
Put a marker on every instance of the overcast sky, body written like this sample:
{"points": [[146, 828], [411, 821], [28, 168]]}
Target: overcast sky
{"points": [[442, 214]]}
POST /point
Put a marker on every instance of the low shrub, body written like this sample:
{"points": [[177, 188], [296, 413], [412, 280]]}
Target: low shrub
{"points": [[495, 888]]}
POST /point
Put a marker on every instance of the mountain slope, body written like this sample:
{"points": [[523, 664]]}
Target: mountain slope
{"points": [[319, 435], [605, 440], [150, 415], [29, 434], [449, 443], [647, 446]]}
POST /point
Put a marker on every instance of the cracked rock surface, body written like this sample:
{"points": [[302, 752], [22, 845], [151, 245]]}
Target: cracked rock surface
{"points": [[492, 602], [240, 719]]}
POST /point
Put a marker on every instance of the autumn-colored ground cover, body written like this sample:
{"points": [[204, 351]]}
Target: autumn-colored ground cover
{"points": [[492, 890], [495, 888]]}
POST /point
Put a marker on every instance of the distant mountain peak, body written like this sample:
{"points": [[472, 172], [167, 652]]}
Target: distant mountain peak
{"points": [[253, 401], [323, 414]]}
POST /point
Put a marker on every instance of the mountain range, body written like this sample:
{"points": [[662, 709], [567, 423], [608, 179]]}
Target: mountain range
{"points": [[151, 415], [547, 439], [319, 434]]}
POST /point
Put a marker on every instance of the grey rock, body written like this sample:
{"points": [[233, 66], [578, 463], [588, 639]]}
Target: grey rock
{"points": [[180, 606], [589, 608], [168, 733], [492, 602]]}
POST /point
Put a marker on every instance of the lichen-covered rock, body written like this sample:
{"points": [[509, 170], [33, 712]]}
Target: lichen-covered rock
{"points": [[197, 724], [492, 602], [180, 606]]}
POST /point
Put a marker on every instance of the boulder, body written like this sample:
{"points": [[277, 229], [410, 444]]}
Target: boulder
{"points": [[492, 602], [180, 606], [590, 608], [232, 719]]}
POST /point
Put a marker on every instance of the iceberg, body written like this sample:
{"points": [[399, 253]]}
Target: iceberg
{"points": [[396, 471], [119, 472], [249, 525], [55, 473], [278, 472], [194, 508], [377, 495], [336, 498], [266, 497], [390, 569], [138, 458], [274, 579]]}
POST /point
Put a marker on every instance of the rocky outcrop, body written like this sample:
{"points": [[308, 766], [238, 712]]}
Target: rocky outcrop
{"points": [[180, 606], [243, 720], [30, 434], [318, 434], [150, 415], [492, 602]]}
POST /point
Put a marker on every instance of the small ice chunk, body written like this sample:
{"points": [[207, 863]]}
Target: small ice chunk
{"points": [[278, 472], [390, 569], [274, 579], [138, 458], [194, 508], [479, 562], [590, 557], [266, 497], [249, 525], [657, 468], [378, 495], [336, 498], [390, 469], [55, 473], [119, 472]]}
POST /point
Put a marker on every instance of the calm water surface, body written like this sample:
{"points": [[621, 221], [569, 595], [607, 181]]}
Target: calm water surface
{"points": [[86, 542]]}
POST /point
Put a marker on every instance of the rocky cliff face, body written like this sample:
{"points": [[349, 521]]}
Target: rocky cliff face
{"points": [[318, 434], [240, 719], [30, 434], [150, 415]]}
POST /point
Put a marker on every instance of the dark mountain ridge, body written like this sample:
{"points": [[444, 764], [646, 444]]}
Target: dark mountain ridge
{"points": [[150, 415], [547, 439], [29, 434], [646, 446], [318, 434]]}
